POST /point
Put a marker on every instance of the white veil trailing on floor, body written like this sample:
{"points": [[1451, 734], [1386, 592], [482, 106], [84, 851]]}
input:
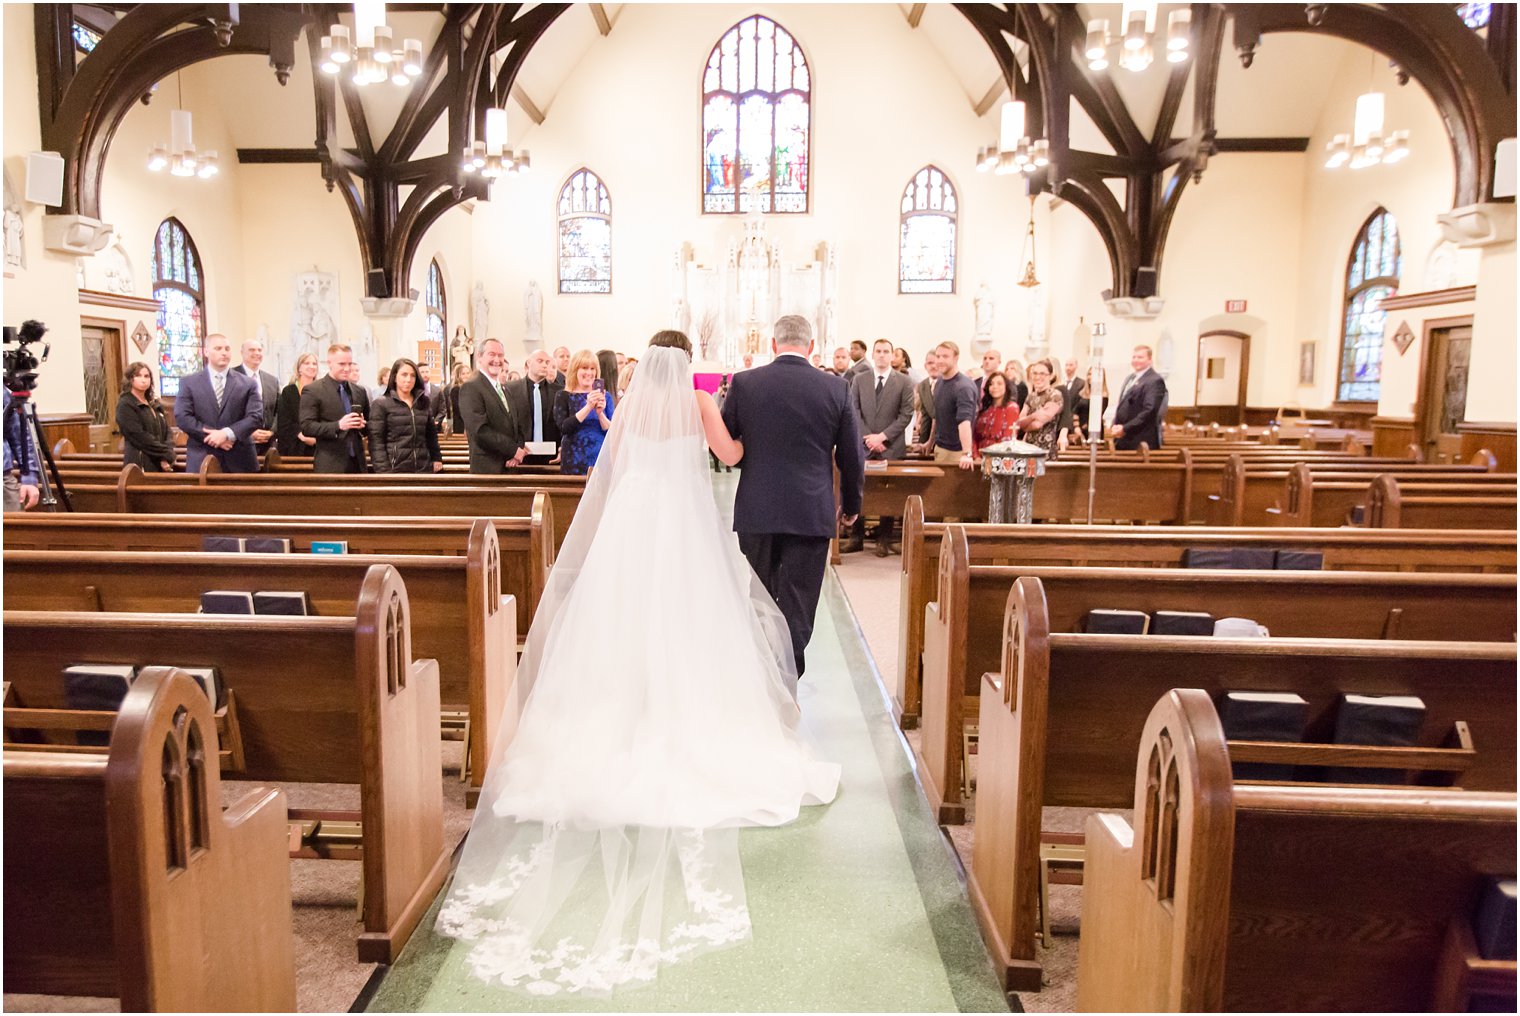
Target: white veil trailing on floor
{"points": [[605, 843]]}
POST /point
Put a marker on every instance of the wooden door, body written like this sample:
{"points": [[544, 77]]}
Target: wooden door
{"points": [[1223, 366], [104, 364], [1444, 396]]}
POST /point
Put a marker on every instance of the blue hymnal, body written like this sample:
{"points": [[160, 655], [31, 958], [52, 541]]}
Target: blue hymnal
{"points": [[329, 546]]}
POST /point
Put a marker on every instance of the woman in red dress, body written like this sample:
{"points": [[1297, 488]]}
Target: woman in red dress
{"points": [[996, 422]]}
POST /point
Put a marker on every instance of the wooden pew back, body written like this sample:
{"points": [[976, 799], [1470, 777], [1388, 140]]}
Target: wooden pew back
{"points": [[124, 876], [1392, 504]]}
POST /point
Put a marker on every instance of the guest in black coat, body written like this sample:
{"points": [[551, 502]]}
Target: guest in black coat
{"points": [[143, 424], [1141, 405], [494, 430], [403, 437], [531, 401], [288, 438], [335, 411]]}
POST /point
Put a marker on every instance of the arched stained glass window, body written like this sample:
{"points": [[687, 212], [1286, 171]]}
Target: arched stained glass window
{"points": [[437, 305], [1372, 275], [756, 121], [585, 235], [1475, 16], [181, 296], [926, 239]]}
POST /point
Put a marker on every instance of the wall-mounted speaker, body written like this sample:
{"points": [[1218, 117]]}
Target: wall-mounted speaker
{"points": [[1145, 282], [44, 178], [1504, 169], [375, 284]]}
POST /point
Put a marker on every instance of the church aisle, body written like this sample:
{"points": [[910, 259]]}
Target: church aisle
{"points": [[856, 907]]}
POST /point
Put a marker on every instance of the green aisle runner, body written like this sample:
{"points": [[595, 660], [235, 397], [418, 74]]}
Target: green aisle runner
{"points": [[855, 907]]}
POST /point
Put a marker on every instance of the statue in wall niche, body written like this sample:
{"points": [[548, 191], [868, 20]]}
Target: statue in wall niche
{"points": [[827, 328], [314, 311], [680, 318], [118, 269], [533, 313], [480, 310], [461, 348], [986, 307], [15, 228]]}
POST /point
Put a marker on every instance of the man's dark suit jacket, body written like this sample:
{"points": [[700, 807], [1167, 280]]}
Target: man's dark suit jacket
{"points": [[888, 413], [520, 399], [797, 424], [1139, 411], [196, 414], [1071, 397], [925, 394], [493, 431], [336, 451], [269, 393]]}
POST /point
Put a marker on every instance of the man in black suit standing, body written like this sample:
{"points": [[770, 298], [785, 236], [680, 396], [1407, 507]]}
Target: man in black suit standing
{"points": [[883, 401], [797, 425], [269, 392], [531, 399], [218, 409], [496, 442], [1073, 398], [335, 411], [438, 404], [1137, 415]]}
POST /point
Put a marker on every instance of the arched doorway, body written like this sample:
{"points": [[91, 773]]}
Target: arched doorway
{"points": [[1224, 364]]}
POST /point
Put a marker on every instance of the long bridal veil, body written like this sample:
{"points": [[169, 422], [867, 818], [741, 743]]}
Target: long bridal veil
{"points": [[656, 715]]}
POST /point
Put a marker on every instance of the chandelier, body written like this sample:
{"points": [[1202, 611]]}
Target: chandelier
{"points": [[1138, 43], [370, 49], [492, 158], [179, 157], [1366, 145], [1014, 152]]}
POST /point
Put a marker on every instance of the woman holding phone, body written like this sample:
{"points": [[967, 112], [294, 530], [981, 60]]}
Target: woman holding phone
{"points": [[583, 412]]}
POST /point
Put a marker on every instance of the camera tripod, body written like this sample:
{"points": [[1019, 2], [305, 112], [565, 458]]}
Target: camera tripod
{"points": [[50, 489]]}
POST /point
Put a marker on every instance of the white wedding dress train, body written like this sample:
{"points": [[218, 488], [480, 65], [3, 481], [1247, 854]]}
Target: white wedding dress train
{"points": [[657, 716]]}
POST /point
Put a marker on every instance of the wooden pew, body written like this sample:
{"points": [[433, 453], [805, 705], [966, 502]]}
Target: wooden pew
{"points": [[124, 877], [458, 616], [1248, 488], [140, 495], [1223, 895], [1312, 498], [319, 700], [963, 627], [1356, 550], [1395, 505], [1061, 720], [525, 542]]}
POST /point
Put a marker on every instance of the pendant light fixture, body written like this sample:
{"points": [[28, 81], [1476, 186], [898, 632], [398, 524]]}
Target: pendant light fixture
{"points": [[179, 156]]}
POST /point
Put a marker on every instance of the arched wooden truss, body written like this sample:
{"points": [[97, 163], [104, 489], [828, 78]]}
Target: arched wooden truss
{"points": [[1471, 83]]}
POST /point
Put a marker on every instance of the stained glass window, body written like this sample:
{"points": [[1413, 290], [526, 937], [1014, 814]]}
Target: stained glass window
{"points": [[85, 39], [756, 121], [585, 235], [437, 305], [1372, 275], [181, 304], [1475, 16], [926, 237]]}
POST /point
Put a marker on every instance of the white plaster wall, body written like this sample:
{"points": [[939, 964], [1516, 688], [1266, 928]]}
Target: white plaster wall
{"points": [[1491, 381]]}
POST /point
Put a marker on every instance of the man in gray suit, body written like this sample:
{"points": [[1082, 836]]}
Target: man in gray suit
{"points": [[269, 392], [883, 401], [924, 394]]}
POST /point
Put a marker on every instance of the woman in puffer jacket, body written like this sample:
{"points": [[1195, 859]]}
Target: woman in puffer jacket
{"points": [[403, 436]]}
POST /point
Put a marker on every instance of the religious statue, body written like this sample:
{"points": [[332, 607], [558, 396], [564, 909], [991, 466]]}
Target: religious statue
{"points": [[827, 328], [533, 312], [462, 347], [314, 314], [480, 309], [15, 226], [985, 308], [118, 269], [680, 318]]}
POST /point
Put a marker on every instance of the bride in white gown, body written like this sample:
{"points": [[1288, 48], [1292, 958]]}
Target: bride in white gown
{"points": [[658, 714]]}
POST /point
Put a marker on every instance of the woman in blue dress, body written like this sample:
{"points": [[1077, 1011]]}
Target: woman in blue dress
{"points": [[583, 412]]}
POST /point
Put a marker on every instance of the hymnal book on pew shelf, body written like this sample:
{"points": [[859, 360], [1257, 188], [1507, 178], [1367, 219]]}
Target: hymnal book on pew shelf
{"points": [[222, 544], [226, 601], [290, 604], [266, 545], [329, 546], [207, 678]]}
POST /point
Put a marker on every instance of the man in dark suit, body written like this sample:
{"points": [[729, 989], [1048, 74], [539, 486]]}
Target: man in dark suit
{"points": [[531, 399], [269, 392], [496, 442], [335, 411], [438, 403], [1137, 414], [219, 409], [1073, 398], [923, 397], [797, 426], [883, 401]]}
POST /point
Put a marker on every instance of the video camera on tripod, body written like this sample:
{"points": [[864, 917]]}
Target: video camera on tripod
{"points": [[21, 381]]}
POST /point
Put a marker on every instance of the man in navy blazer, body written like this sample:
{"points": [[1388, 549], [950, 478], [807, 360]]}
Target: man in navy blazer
{"points": [[220, 427], [1141, 406], [797, 425]]}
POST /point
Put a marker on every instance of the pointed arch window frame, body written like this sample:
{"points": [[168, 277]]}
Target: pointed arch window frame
{"points": [[774, 97], [945, 186], [1357, 285], [436, 305], [184, 274], [602, 212]]}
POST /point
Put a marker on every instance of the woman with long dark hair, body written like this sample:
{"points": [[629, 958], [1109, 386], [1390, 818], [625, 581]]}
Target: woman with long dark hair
{"points": [[143, 423], [997, 420], [403, 436]]}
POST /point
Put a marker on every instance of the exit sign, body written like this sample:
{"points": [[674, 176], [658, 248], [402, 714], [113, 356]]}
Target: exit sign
{"points": [[1234, 306]]}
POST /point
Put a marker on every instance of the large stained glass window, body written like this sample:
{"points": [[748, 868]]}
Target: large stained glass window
{"points": [[756, 121], [585, 235], [437, 305], [181, 297], [1371, 277], [926, 236]]}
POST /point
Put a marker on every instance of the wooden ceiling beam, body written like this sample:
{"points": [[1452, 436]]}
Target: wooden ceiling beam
{"points": [[603, 23], [915, 14], [523, 99], [996, 89]]}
